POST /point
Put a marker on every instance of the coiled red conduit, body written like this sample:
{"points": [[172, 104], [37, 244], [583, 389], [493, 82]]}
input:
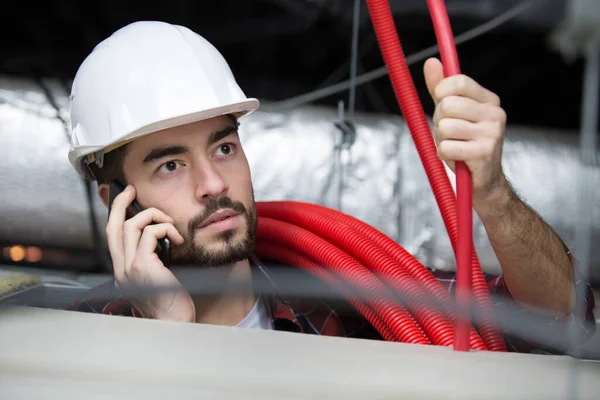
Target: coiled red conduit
{"points": [[293, 257], [289, 243], [343, 232], [398, 320]]}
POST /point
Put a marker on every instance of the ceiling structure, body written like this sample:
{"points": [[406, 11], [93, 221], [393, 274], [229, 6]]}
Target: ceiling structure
{"points": [[279, 49]]}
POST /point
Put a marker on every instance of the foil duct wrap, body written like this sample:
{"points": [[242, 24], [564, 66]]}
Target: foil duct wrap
{"points": [[377, 176]]}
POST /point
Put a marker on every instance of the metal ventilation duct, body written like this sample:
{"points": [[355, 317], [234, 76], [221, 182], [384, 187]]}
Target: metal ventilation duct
{"points": [[379, 178]]}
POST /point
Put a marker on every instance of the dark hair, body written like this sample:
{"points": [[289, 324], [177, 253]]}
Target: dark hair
{"points": [[112, 167]]}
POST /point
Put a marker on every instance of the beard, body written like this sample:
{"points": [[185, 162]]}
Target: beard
{"points": [[233, 249]]}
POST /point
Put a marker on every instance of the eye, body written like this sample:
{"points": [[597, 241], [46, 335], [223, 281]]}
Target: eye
{"points": [[168, 167], [225, 149]]}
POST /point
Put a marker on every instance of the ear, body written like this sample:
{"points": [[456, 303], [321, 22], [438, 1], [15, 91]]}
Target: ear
{"points": [[104, 193]]}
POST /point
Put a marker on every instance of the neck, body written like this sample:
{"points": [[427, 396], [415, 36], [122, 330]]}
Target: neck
{"points": [[227, 309]]}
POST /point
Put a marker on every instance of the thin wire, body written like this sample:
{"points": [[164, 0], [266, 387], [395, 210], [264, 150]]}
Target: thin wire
{"points": [[309, 97], [589, 117], [587, 146], [354, 59], [337, 159], [340, 72], [52, 101]]}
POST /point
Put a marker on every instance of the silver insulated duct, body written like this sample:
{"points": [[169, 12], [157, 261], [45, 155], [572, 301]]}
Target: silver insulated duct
{"points": [[301, 155]]}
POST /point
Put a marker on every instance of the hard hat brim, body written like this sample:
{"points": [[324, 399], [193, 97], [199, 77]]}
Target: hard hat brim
{"points": [[78, 154]]}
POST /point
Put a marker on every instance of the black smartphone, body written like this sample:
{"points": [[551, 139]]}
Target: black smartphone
{"points": [[163, 249]]}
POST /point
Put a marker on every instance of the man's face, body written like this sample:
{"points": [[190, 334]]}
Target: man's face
{"points": [[198, 175]]}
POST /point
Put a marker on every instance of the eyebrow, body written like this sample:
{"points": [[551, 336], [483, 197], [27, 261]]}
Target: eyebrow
{"points": [[165, 151], [160, 152], [223, 133]]}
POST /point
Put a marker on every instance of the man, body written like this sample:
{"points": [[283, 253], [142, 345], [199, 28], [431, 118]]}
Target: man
{"points": [[157, 107]]}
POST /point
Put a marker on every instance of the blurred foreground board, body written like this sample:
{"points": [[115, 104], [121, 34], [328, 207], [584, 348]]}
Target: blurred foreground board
{"points": [[54, 354]]}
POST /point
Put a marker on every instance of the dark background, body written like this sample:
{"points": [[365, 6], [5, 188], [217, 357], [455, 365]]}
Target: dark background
{"points": [[278, 49]]}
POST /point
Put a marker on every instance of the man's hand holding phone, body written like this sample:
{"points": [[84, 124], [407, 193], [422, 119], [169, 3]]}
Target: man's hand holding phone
{"points": [[132, 243]]}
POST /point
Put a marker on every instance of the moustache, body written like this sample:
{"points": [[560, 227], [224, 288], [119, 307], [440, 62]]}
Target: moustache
{"points": [[212, 207]]}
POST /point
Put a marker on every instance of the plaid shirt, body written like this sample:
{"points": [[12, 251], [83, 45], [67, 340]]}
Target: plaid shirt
{"points": [[325, 318]]}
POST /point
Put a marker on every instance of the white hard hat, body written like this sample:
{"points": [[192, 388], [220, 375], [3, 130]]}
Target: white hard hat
{"points": [[145, 77]]}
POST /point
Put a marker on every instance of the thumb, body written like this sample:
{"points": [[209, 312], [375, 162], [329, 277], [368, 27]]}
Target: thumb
{"points": [[434, 74]]}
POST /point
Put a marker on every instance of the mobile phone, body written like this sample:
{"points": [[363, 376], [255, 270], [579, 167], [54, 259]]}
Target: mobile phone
{"points": [[163, 248]]}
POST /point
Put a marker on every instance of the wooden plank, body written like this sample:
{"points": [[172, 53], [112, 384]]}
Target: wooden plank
{"points": [[55, 354]]}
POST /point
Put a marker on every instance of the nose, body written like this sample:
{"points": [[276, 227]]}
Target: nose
{"points": [[210, 183]]}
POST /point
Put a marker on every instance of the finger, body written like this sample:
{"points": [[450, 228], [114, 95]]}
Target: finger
{"points": [[434, 74], [456, 129], [455, 150], [114, 229], [462, 85], [152, 233], [133, 227], [467, 109]]}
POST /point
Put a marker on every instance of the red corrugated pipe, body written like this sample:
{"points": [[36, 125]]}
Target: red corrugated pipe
{"points": [[414, 115], [290, 256], [331, 226], [397, 319], [464, 190]]}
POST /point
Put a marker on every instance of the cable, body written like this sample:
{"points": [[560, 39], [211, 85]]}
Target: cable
{"points": [[464, 187], [588, 154], [354, 59], [471, 34], [341, 71], [54, 104]]}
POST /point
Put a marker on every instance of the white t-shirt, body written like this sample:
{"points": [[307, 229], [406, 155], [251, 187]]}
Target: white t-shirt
{"points": [[258, 317]]}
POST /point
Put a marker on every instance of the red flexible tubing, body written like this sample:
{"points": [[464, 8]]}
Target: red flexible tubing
{"points": [[289, 256], [412, 110], [329, 226], [466, 254], [404, 259], [399, 321], [464, 189], [397, 252]]}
